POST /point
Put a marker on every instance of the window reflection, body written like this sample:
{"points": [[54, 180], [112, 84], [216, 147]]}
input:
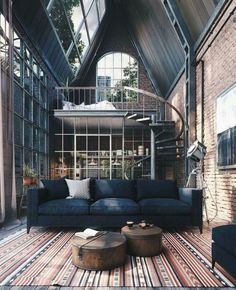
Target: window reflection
{"points": [[92, 20], [61, 25], [74, 13], [68, 19]]}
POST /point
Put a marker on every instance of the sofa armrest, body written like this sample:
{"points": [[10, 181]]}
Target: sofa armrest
{"points": [[193, 197], [35, 197]]}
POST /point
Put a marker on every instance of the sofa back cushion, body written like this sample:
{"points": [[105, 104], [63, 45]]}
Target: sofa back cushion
{"points": [[114, 188], [156, 189], [57, 188]]}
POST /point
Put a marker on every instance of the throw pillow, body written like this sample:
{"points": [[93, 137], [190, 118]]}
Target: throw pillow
{"points": [[57, 189], [79, 188]]}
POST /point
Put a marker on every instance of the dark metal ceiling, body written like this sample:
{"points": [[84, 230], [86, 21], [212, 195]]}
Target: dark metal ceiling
{"points": [[149, 28], [156, 39]]}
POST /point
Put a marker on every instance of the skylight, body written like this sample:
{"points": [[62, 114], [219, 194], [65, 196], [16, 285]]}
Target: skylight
{"points": [[75, 22]]}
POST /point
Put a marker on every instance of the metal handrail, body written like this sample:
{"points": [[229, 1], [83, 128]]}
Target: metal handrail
{"points": [[161, 99]]}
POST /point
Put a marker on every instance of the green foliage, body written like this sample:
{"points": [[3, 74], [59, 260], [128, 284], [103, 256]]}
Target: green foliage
{"points": [[130, 80], [62, 27], [28, 171]]}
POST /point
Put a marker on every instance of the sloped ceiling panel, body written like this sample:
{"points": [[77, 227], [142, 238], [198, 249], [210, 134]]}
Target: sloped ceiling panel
{"points": [[196, 14], [153, 33], [35, 22]]}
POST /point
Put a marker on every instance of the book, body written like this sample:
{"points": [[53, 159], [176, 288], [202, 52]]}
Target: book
{"points": [[87, 234]]}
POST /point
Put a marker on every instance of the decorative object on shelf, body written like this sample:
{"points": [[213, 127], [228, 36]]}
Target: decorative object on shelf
{"points": [[140, 150], [147, 151], [92, 162], [116, 163], [29, 175]]}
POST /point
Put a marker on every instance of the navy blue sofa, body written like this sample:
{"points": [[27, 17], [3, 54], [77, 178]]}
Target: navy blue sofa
{"points": [[113, 202], [224, 247]]}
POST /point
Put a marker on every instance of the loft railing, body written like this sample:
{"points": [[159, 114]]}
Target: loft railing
{"points": [[79, 98], [122, 98]]}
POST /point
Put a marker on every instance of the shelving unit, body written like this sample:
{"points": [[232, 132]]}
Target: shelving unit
{"points": [[103, 154]]}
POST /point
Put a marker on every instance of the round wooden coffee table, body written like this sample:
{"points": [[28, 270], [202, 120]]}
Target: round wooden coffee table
{"points": [[104, 252], [143, 242]]}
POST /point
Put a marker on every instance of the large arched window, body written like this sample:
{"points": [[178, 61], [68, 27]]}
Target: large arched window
{"points": [[116, 69]]}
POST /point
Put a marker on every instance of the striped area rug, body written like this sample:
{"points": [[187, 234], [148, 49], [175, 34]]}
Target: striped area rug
{"points": [[43, 258]]}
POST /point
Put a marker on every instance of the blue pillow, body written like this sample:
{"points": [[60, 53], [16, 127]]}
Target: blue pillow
{"points": [[119, 188], [157, 189], [57, 189]]}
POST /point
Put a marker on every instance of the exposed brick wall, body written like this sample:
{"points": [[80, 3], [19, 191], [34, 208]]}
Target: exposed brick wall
{"points": [[213, 77]]}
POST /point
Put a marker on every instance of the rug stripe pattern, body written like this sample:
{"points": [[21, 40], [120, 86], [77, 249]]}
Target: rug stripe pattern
{"points": [[43, 258]]}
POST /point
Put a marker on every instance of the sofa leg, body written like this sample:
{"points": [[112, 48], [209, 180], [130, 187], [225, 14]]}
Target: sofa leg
{"points": [[28, 229], [213, 264], [200, 229]]}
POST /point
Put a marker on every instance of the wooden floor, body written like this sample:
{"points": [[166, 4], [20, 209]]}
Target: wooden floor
{"points": [[11, 228]]}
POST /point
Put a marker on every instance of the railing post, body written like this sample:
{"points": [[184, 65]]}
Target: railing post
{"points": [[153, 152]]}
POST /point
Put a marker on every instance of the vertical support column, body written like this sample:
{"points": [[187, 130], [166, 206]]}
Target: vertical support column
{"points": [[153, 152], [187, 43]]}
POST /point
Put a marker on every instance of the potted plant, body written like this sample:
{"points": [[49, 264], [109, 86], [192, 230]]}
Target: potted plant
{"points": [[29, 175]]}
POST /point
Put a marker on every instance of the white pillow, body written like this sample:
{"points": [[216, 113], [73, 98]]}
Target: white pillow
{"points": [[79, 188]]}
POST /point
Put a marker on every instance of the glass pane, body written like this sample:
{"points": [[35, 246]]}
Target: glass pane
{"points": [[60, 22], [18, 99], [43, 98], [74, 13], [42, 141], [101, 63], [117, 60], [74, 59], [28, 107], [109, 60], [82, 41], [35, 67], [28, 157], [17, 68], [125, 60], [36, 138], [42, 76], [27, 79], [35, 87], [87, 4], [28, 135], [35, 112], [42, 119], [35, 162], [27, 56], [17, 42], [101, 8], [43, 165], [92, 20], [18, 130]]}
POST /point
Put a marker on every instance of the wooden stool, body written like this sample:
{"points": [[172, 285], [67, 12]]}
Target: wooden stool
{"points": [[143, 242], [103, 252]]}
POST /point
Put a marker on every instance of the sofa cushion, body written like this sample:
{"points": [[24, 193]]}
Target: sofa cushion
{"points": [[163, 206], [57, 188], [225, 237], [79, 188], [64, 207], [114, 206], [156, 188], [119, 188]]}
